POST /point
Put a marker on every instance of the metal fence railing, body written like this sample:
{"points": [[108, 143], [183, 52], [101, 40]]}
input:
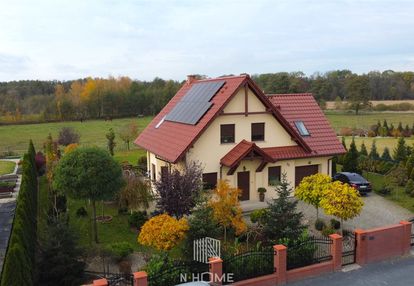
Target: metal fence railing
{"points": [[249, 265], [310, 251], [180, 272]]}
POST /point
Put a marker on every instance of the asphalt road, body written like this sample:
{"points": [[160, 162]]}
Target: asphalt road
{"points": [[397, 272]]}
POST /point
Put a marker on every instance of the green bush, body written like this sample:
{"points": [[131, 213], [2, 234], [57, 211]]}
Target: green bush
{"points": [[19, 261], [137, 219], [328, 231], [81, 212], [142, 163], [120, 250], [257, 216], [123, 210], [409, 187], [335, 224], [319, 224], [385, 190]]}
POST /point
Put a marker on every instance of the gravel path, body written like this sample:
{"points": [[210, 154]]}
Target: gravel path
{"points": [[377, 212]]}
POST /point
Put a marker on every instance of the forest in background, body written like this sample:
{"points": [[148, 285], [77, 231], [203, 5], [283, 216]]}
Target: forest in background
{"points": [[34, 100]]}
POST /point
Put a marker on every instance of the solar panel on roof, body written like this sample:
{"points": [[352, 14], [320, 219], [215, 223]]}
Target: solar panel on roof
{"points": [[195, 103]]}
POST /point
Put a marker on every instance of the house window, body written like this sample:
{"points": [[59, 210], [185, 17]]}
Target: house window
{"points": [[258, 131], [227, 133], [164, 172], [209, 181], [302, 128], [153, 172], [273, 176]]}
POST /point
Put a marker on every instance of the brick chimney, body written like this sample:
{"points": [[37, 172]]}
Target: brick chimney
{"points": [[191, 78]]}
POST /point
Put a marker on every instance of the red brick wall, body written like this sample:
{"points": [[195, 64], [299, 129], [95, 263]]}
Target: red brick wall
{"points": [[382, 243], [309, 271]]}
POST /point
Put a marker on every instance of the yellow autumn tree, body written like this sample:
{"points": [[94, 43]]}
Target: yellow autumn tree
{"points": [[312, 188], [163, 232], [226, 208], [341, 200]]}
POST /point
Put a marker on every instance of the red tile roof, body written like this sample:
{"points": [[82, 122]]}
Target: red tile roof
{"points": [[303, 107], [240, 151], [171, 140]]}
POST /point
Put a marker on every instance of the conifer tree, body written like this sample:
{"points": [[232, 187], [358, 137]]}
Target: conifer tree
{"points": [[386, 154], [282, 219], [363, 150], [400, 152], [373, 154], [344, 143], [351, 159]]}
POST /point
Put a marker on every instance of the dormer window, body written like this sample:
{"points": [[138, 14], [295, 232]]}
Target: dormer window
{"points": [[302, 128]]}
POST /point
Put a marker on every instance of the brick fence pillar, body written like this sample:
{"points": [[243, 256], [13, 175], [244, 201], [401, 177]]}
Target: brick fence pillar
{"points": [[361, 246], [140, 278], [281, 263], [100, 282], [336, 251], [406, 239], [216, 270]]}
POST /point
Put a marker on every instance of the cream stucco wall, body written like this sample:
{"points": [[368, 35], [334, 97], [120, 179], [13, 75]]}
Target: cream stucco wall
{"points": [[260, 179]]}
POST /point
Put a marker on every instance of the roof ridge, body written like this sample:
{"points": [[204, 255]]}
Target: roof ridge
{"points": [[289, 94], [222, 78]]}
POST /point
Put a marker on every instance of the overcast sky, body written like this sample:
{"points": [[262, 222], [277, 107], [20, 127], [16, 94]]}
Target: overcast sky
{"points": [[63, 40]]}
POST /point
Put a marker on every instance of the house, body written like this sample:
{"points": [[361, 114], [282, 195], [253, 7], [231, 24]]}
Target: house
{"points": [[240, 134]]}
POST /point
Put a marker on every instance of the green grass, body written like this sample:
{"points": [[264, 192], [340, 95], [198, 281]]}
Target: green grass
{"points": [[92, 132], [365, 120], [115, 231], [397, 195], [6, 167], [381, 143]]}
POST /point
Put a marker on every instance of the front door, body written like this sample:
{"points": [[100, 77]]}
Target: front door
{"points": [[243, 183]]}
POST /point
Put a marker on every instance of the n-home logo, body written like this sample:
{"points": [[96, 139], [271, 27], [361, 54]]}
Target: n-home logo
{"points": [[206, 276]]}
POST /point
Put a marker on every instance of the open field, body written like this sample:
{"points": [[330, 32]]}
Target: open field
{"points": [[381, 143], [6, 167], [92, 133], [365, 120], [15, 137], [331, 104]]}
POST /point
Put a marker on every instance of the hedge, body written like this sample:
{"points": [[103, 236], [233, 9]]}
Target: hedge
{"points": [[19, 263]]}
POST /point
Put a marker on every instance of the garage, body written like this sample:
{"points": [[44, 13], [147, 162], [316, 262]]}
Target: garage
{"points": [[304, 171]]}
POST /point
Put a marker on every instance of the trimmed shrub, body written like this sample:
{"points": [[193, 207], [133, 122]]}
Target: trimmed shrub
{"points": [[385, 190], [409, 187], [328, 231], [120, 250], [137, 219], [319, 224], [335, 224], [81, 212], [257, 216]]}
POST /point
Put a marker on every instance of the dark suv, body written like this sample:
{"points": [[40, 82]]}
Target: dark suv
{"points": [[354, 180]]}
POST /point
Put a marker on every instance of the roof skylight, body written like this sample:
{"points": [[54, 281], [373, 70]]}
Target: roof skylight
{"points": [[302, 128]]}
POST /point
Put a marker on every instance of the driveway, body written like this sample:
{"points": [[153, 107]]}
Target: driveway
{"points": [[377, 212], [397, 272]]}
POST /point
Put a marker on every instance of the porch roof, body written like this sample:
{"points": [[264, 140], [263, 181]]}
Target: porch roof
{"points": [[241, 151]]}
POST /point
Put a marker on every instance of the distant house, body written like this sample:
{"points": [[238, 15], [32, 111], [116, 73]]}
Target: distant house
{"points": [[240, 134]]}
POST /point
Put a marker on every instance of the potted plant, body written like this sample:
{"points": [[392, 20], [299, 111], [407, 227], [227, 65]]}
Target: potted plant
{"points": [[261, 192]]}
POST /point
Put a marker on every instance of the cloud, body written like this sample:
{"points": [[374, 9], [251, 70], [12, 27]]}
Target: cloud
{"points": [[145, 39]]}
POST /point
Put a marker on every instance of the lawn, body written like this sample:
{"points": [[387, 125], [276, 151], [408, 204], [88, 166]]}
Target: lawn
{"points": [[365, 120], [115, 231], [397, 195], [6, 167], [92, 133]]}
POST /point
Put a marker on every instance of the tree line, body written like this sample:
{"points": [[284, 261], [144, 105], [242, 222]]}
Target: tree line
{"points": [[122, 96]]}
